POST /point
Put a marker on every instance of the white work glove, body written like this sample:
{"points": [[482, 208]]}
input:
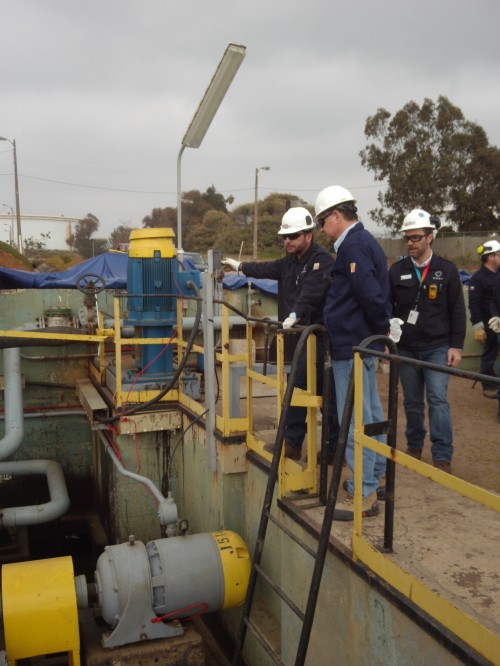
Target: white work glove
{"points": [[479, 334], [395, 330], [232, 264], [290, 320], [494, 324]]}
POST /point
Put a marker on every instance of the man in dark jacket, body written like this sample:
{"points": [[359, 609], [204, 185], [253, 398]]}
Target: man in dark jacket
{"points": [[302, 283], [357, 306], [481, 292], [494, 325], [427, 295]]}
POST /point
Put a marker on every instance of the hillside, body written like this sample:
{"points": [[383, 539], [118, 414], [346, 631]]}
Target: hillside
{"points": [[10, 258]]}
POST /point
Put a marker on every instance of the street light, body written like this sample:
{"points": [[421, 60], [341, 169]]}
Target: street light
{"points": [[11, 232], [218, 87], [18, 212], [256, 209]]}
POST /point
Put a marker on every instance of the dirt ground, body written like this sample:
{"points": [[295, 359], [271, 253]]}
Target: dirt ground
{"points": [[476, 432], [8, 260]]}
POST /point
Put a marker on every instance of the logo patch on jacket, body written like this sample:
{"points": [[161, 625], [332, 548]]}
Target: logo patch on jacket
{"points": [[315, 266], [353, 267]]}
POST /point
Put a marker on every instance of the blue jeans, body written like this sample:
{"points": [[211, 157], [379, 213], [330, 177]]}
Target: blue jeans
{"points": [[414, 380], [295, 430], [373, 463]]}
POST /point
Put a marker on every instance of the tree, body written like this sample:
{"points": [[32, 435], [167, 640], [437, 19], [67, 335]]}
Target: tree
{"points": [[120, 235], [32, 244], [161, 217], [431, 157], [80, 239]]}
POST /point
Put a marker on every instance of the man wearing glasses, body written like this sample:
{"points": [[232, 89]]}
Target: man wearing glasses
{"points": [[427, 295], [302, 276], [357, 307]]}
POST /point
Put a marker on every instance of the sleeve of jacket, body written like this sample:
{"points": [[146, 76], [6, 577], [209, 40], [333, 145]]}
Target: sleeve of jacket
{"points": [[313, 292], [271, 270], [475, 298], [370, 284], [456, 311]]}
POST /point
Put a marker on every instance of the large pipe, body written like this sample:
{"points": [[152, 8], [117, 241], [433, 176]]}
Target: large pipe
{"points": [[37, 513], [14, 428]]}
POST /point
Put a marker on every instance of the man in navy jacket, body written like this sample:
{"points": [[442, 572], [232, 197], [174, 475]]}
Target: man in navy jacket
{"points": [[427, 295], [301, 274], [481, 293], [357, 306]]}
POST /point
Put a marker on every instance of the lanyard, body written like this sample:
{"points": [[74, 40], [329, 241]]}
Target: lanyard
{"points": [[421, 277]]}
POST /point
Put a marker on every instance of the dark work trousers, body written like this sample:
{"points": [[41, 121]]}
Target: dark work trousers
{"points": [[488, 358], [296, 427]]}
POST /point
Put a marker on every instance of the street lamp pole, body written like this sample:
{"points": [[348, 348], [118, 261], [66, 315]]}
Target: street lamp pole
{"points": [[256, 209], [18, 210]]}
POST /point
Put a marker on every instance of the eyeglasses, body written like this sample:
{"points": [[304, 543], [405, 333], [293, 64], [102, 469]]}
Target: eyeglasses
{"points": [[293, 236], [322, 220], [416, 238]]}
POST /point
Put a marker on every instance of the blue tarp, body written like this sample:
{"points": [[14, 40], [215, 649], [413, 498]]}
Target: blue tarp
{"points": [[112, 267], [232, 281], [464, 276]]}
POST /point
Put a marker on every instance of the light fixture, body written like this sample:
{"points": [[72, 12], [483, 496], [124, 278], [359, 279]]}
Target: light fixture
{"points": [[218, 87]]}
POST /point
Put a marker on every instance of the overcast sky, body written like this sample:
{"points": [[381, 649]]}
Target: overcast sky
{"points": [[99, 93]]}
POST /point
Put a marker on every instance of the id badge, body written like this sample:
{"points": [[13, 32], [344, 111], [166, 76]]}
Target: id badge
{"points": [[412, 317]]}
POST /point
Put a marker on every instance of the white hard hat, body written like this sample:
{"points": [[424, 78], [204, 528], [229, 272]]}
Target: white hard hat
{"points": [[488, 248], [418, 219], [295, 220], [330, 197]]}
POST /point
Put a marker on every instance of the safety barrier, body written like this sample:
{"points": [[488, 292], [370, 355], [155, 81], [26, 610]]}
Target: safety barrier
{"points": [[471, 631]]}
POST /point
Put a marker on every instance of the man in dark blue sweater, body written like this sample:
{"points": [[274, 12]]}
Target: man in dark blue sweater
{"points": [[357, 307], [302, 284], [481, 292]]}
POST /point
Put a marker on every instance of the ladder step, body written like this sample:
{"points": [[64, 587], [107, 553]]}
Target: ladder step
{"points": [[292, 536], [263, 641], [280, 593]]}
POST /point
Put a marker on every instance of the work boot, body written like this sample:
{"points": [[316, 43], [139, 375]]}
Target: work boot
{"points": [[291, 452], [381, 492], [414, 453], [344, 510], [443, 465]]}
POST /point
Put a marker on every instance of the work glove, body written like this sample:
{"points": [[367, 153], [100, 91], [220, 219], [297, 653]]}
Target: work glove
{"points": [[395, 329], [494, 324], [290, 320], [480, 334], [232, 264]]}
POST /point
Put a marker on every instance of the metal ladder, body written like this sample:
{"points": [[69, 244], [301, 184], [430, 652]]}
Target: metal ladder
{"points": [[307, 616]]}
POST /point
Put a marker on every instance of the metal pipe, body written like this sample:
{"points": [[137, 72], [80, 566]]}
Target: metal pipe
{"points": [[167, 510], [14, 428], [37, 513]]}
